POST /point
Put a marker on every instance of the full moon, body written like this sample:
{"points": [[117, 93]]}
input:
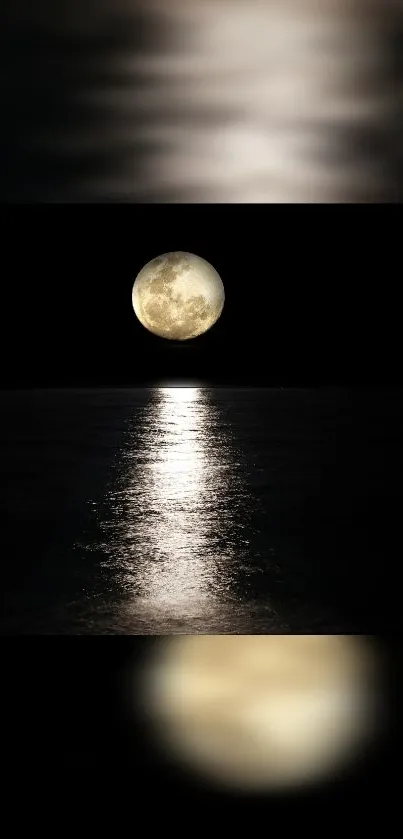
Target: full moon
{"points": [[257, 713], [178, 296]]}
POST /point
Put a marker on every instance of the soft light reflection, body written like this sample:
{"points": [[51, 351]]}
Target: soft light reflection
{"points": [[179, 394]]}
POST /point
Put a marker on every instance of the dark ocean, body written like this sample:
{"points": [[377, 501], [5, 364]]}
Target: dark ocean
{"points": [[167, 510]]}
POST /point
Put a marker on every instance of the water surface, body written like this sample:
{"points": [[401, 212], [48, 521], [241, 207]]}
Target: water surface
{"points": [[192, 510]]}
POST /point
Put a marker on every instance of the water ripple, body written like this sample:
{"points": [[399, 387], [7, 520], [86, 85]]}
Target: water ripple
{"points": [[174, 521]]}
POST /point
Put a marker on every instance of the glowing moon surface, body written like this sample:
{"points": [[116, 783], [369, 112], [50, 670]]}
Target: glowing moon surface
{"points": [[178, 296], [262, 712]]}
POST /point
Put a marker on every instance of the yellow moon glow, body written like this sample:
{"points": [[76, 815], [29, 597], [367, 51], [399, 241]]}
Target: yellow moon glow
{"points": [[262, 712], [178, 296]]}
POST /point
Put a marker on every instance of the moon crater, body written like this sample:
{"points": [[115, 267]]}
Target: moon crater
{"points": [[178, 296]]}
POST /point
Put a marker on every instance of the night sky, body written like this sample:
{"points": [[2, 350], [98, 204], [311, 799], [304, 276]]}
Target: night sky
{"points": [[311, 295]]}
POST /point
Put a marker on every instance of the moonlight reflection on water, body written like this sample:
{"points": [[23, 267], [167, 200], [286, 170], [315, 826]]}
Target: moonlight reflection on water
{"points": [[176, 541], [198, 510]]}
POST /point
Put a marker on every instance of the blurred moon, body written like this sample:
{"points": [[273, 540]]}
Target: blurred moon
{"points": [[178, 296], [263, 712]]}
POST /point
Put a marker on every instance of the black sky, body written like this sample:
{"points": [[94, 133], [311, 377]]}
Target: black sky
{"points": [[311, 295]]}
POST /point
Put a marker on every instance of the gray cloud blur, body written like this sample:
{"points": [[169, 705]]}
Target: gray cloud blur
{"points": [[260, 102], [220, 100]]}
